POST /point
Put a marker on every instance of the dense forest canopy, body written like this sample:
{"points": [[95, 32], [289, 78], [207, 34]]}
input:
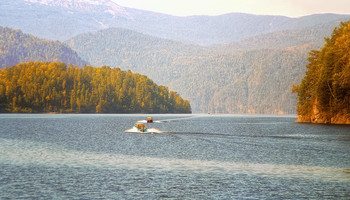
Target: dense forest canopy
{"points": [[54, 87], [325, 89], [17, 47], [217, 79]]}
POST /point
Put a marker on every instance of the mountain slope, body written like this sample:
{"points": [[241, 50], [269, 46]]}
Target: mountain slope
{"points": [[16, 47], [60, 19], [252, 67], [158, 58], [203, 30], [311, 35], [207, 30], [246, 82], [64, 19], [213, 80]]}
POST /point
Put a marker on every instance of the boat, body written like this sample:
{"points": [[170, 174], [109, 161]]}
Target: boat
{"points": [[149, 120], [140, 127]]}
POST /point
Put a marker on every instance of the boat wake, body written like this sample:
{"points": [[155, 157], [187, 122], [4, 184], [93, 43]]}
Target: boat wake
{"points": [[149, 130], [145, 121], [153, 130]]}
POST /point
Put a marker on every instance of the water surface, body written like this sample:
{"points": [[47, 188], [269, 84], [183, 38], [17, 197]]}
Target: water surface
{"points": [[188, 157]]}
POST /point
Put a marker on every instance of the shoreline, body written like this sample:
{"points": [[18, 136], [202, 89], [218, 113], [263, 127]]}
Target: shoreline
{"points": [[337, 120]]}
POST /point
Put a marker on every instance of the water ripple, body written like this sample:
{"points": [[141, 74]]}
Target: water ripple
{"points": [[17, 152]]}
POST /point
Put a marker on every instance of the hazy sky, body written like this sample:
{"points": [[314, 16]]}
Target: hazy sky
{"points": [[292, 8]]}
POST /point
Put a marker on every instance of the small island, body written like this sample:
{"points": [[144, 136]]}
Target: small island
{"points": [[324, 93], [52, 87]]}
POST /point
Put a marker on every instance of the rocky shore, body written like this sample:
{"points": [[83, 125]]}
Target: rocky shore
{"points": [[319, 117], [323, 120]]}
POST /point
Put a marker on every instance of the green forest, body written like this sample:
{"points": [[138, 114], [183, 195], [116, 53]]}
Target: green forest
{"points": [[55, 87], [324, 93]]}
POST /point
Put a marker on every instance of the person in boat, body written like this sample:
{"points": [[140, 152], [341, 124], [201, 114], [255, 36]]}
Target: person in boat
{"points": [[141, 127], [149, 120]]}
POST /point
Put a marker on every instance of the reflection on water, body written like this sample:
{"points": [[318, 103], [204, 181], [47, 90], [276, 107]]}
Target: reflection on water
{"points": [[189, 157]]}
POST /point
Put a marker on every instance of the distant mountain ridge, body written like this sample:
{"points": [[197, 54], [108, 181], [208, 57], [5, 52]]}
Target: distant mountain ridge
{"points": [[64, 19], [311, 35], [60, 19], [85, 5]]}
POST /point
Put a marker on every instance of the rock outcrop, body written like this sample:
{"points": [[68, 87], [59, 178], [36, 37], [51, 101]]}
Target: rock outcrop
{"points": [[319, 117]]}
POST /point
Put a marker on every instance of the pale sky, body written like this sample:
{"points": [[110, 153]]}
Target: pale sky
{"points": [[291, 8]]}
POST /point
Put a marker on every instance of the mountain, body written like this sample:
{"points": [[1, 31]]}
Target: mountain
{"points": [[214, 79], [202, 30], [161, 59], [64, 19], [17, 47], [208, 30], [232, 63], [312, 35], [60, 19], [97, 6]]}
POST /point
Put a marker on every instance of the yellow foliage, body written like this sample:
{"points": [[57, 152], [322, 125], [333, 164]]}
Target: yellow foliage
{"points": [[54, 87]]}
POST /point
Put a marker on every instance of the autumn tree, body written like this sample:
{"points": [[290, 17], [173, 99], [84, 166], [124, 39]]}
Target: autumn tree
{"points": [[54, 87]]}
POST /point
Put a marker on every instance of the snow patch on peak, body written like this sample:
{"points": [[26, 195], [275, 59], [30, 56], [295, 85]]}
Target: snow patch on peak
{"points": [[55, 2], [45, 2], [77, 3], [106, 6]]}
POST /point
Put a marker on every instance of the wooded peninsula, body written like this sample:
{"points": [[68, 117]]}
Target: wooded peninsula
{"points": [[36, 87], [324, 93]]}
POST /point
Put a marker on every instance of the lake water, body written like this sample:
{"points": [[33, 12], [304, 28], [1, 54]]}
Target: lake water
{"points": [[71, 156]]}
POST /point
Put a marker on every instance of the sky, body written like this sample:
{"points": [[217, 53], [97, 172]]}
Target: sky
{"points": [[290, 8]]}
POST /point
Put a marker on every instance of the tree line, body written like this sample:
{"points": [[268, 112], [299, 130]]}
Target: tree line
{"points": [[327, 80], [56, 87]]}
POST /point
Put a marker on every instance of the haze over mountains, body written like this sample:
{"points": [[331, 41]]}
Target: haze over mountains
{"points": [[17, 47], [233, 63], [63, 19]]}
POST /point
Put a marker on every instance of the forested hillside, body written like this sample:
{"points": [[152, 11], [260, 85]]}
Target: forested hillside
{"points": [[161, 59], [247, 82], [16, 47], [324, 92], [255, 77], [247, 63], [312, 35], [54, 87]]}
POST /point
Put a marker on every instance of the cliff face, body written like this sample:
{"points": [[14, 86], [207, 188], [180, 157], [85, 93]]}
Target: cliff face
{"points": [[319, 117]]}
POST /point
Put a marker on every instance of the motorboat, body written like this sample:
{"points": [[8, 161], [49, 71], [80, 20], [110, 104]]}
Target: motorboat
{"points": [[149, 120], [140, 127]]}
